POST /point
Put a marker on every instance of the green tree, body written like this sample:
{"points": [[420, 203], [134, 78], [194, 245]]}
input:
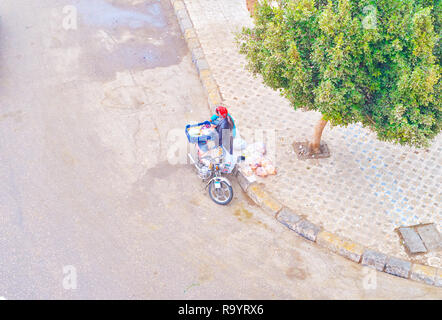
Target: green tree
{"points": [[377, 62]]}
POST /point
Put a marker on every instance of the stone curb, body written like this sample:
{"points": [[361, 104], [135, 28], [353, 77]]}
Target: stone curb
{"points": [[374, 259], [198, 57], [398, 267], [263, 199], [346, 248], [343, 247], [425, 274]]}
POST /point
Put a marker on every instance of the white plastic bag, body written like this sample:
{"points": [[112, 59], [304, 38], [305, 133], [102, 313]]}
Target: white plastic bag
{"points": [[257, 147], [194, 131], [247, 171], [239, 144]]}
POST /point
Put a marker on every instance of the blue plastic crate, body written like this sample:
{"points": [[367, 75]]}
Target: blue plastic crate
{"points": [[193, 139]]}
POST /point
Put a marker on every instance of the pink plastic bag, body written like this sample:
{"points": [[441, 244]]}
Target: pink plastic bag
{"points": [[270, 169], [261, 172]]}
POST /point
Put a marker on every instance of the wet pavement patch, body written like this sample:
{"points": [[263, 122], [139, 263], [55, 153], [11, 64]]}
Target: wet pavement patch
{"points": [[241, 213], [118, 37], [103, 14], [164, 170]]}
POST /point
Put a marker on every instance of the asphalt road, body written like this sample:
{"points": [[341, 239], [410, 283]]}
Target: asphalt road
{"points": [[96, 200]]}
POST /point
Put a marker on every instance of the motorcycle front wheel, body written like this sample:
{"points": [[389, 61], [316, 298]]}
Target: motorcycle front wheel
{"points": [[222, 195]]}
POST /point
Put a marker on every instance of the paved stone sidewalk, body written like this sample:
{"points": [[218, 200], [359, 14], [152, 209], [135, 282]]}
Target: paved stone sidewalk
{"points": [[364, 191]]}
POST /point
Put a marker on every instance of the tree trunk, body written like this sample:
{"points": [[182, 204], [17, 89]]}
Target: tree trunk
{"points": [[251, 6], [315, 144]]}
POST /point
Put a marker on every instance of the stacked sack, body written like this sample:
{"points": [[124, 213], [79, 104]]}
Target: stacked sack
{"points": [[256, 162]]}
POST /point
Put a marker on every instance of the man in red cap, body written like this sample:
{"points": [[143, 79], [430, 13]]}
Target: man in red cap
{"points": [[225, 128], [223, 113]]}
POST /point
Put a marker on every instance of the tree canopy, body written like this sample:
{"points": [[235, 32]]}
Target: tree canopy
{"points": [[377, 62]]}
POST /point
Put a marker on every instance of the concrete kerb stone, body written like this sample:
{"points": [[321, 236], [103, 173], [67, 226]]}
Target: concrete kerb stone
{"points": [[288, 218], [197, 53], [438, 280], [398, 267], [263, 199], [178, 5], [190, 34], [214, 99], [374, 259], [207, 80], [303, 227], [346, 248], [205, 76], [185, 24], [243, 180], [425, 274], [182, 14], [193, 44], [198, 57], [307, 229]]}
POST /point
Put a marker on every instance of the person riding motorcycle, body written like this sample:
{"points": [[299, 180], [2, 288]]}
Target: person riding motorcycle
{"points": [[216, 118], [214, 163], [225, 128]]}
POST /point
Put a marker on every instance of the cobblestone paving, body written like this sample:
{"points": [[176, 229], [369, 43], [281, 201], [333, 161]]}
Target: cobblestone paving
{"points": [[364, 191]]}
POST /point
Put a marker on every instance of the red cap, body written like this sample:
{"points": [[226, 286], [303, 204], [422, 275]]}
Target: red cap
{"points": [[222, 111]]}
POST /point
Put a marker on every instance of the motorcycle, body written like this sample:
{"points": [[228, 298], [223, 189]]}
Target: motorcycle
{"points": [[212, 165]]}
